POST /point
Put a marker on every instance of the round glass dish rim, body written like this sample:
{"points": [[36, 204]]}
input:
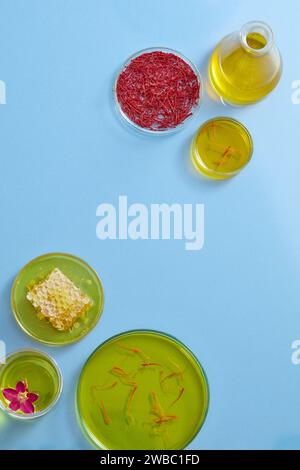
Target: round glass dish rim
{"points": [[25, 417], [159, 333], [144, 130], [217, 118], [13, 307], [244, 31]]}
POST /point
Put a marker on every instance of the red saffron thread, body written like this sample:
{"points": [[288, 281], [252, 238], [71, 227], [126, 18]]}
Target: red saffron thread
{"points": [[131, 397], [165, 419], [169, 376], [119, 371], [181, 392], [129, 403], [149, 364], [156, 408], [109, 387], [124, 376], [158, 90], [106, 418], [135, 351]]}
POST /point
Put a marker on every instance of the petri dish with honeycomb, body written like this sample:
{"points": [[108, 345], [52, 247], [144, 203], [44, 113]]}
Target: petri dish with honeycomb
{"points": [[57, 299]]}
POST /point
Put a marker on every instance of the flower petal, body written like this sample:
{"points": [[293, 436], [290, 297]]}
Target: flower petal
{"points": [[14, 405], [27, 407], [32, 397], [10, 394], [21, 387]]}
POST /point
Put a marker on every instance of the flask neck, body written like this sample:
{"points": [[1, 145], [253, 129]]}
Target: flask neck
{"points": [[256, 38]]}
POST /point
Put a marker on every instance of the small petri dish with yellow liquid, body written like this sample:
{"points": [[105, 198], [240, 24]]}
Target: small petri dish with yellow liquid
{"points": [[221, 148], [30, 384]]}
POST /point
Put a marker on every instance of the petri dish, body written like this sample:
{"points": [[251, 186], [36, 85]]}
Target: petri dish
{"points": [[221, 148], [29, 374], [142, 390], [133, 123], [80, 273]]}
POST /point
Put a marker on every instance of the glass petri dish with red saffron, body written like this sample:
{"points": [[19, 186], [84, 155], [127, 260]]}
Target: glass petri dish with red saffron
{"points": [[158, 91]]}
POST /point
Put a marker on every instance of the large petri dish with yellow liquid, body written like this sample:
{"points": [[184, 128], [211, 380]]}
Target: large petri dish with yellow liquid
{"points": [[142, 390]]}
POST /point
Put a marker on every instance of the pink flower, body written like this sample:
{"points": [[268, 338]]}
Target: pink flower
{"points": [[20, 398]]}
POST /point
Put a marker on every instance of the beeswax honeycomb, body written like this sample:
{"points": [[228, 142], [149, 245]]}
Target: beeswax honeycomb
{"points": [[58, 300]]}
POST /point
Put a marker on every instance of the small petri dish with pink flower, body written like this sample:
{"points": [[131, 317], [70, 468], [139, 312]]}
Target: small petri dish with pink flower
{"points": [[30, 384]]}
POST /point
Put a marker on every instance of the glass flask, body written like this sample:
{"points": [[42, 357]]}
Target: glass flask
{"points": [[246, 65]]}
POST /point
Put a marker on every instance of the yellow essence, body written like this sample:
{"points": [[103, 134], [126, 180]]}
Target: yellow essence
{"points": [[246, 65], [221, 148]]}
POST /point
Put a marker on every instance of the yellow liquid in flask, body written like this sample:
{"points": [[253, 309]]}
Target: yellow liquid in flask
{"points": [[245, 66]]}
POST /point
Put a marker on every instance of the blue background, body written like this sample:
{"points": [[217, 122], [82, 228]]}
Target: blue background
{"points": [[63, 152]]}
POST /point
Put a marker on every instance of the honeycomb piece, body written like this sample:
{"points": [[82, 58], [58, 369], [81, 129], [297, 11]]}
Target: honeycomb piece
{"points": [[58, 300]]}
